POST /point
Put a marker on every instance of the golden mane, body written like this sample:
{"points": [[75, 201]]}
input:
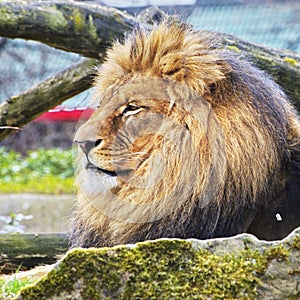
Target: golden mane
{"points": [[169, 51]]}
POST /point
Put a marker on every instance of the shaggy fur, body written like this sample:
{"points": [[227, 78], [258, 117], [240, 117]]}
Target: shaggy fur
{"points": [[250, 148]]}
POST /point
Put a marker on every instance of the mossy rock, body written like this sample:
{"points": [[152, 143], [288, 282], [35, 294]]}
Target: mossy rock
{"points": [[233, 268]]}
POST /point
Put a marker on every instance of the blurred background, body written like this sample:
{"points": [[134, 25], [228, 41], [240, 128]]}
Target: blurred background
{"points": [[36, 162]]}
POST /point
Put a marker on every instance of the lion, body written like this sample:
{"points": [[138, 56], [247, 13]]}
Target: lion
{"points": [[187, 140]]}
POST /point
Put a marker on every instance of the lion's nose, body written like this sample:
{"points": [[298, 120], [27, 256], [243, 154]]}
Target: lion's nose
{"points": [[87, 146]]}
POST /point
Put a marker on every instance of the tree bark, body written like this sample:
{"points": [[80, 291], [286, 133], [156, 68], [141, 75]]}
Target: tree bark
{"points": [[29, 250], [283, 65], [20, 110], [84, 28]]}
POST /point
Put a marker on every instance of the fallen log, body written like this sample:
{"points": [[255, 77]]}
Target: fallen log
{"points": [[25, 251]]}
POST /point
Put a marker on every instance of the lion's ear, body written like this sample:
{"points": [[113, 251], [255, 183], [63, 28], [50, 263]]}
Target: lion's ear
{"points": [[199, 71]]}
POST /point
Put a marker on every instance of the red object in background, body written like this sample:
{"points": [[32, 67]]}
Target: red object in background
{"points": [[64, 115]]}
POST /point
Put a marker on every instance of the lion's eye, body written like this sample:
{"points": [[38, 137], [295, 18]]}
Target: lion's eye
{"points": [[131, 110]]}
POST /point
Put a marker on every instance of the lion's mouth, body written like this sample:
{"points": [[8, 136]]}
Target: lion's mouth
{"points": [[90, 166], [94, 168]]}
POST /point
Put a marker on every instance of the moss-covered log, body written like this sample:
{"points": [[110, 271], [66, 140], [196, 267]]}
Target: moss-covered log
{"points": [[25, 251], [84, 28], [21, 109]]}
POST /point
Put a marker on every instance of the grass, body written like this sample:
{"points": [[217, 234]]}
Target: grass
{"points": [[10, 285], [9, 288]]}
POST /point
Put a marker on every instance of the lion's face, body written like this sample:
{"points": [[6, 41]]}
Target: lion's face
{"points": [[122, 133], [141, 145]]}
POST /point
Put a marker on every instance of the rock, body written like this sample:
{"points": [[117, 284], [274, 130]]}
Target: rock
{"points": [[241, 267]]}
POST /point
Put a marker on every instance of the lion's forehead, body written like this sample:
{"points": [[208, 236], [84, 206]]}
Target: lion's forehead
{"points": [[138, 88], [146, 90]]}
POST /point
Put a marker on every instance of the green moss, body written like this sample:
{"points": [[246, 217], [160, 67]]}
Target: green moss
{"points": [[290, 61], [279, 252], [7, 18], [54, 18], [92, 28], [295, 243], [79, 23], [233, 48], [165, 269]]}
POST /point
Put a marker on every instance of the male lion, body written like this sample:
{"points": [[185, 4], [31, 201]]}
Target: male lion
{"points": [[187, 141]]}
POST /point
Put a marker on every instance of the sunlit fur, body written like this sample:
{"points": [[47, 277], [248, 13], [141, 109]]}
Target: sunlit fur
{"points": [[260, 130]]}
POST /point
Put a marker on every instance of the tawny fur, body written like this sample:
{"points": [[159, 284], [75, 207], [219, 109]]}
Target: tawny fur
{"points": [[261, 135]]}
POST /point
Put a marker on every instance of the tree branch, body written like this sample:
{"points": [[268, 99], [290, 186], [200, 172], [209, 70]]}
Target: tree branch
{"points": [[20, 110], [283, 65], [84, 28]]}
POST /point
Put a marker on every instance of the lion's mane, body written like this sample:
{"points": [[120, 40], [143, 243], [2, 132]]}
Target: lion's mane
{"points": [[260, 188]]}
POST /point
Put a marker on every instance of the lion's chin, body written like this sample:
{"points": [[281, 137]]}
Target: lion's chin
{"points": [[93, 182]]}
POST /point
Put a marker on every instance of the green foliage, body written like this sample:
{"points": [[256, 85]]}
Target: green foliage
{"points": [[41, 171], [37, 163]]}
